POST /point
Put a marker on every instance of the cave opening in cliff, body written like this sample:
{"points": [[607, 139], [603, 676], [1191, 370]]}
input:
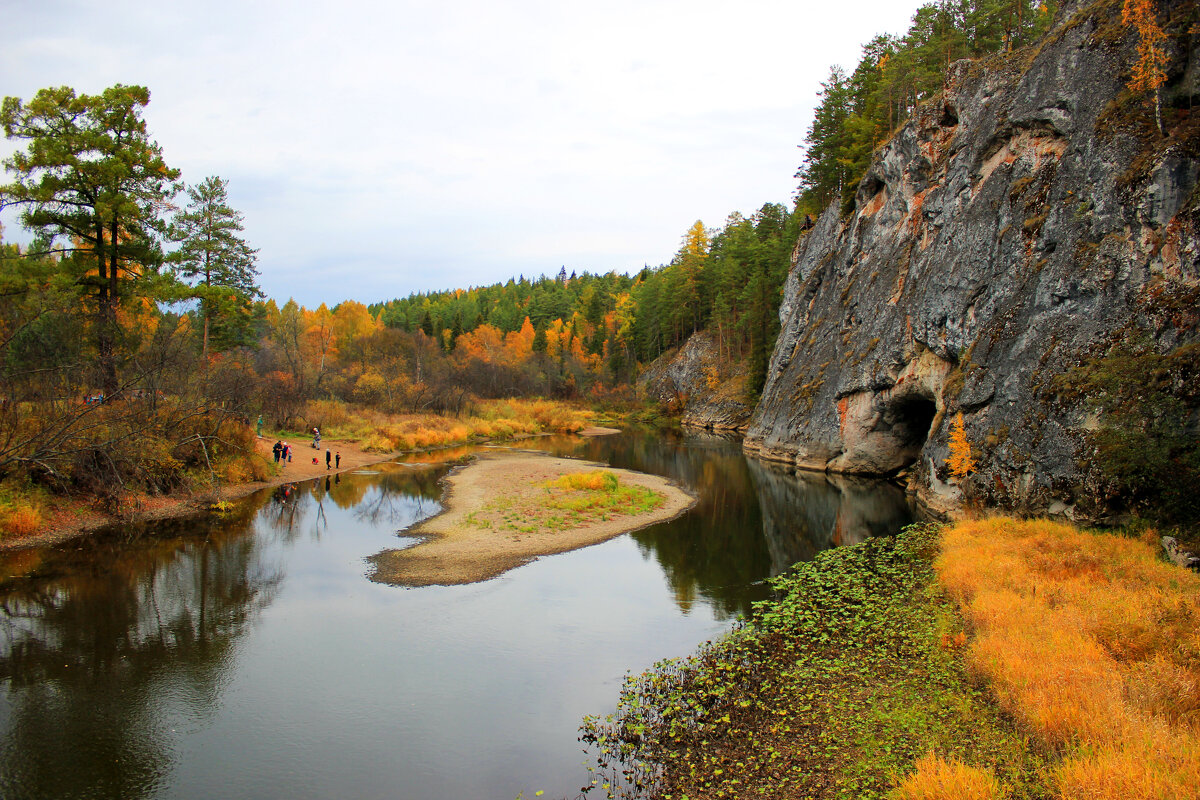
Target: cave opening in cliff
{"points": [[911, 418]]}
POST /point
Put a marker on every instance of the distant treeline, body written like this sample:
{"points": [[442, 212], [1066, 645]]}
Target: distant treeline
{"points": [[728, 280]]}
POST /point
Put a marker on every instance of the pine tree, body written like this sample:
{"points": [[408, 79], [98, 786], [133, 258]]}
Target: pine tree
{"points": [[92, 177], [213, 253]]}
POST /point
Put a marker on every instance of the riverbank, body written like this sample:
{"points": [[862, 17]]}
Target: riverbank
{"points": [[464, 544], [866, 679], [70, 517]]}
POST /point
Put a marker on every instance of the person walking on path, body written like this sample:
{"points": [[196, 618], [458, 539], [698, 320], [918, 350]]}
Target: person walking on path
{"points": [[337, 460], [328, 458], [260, 426], [316, 439], [277, 450]]}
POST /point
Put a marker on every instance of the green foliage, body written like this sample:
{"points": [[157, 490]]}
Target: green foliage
{"points": [[833, 690], [1146, 454], [213, 255], [859, 112], [91, 184], [728, 280]]}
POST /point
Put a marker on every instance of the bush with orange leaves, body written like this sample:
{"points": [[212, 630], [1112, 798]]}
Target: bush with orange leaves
{"points": [[937, 778], [1091, 642]]}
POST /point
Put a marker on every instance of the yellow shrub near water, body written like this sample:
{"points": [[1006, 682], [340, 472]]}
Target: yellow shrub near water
{"points": [[19, 520]]}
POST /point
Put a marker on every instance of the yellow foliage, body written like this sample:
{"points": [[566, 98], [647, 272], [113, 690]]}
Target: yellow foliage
{"points": [[961, 462], [938, 779], [19, 520], [1090, 641]]}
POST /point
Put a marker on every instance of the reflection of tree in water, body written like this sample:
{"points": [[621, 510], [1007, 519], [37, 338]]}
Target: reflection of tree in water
{"points": [[753, 519], [394, 494], [403, 495], [112, 644], [283, 509]]}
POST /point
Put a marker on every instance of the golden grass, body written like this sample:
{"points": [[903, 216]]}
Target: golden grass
{"points": [[1093, 643], [19, 519], [938, 779], [597, 481], [379, 432], [569, 501]]}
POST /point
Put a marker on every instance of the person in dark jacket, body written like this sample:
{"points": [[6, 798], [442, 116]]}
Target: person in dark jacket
{"points": [[277, 450], [328, 458]]}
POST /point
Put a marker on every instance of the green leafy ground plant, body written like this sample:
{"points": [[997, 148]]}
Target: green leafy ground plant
{"points": [[835, 689]]}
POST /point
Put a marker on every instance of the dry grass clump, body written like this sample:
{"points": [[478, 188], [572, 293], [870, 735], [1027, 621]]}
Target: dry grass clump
{"points": [[1093, 643], [379, 432], [938, 779], [19, 519], [547, 415]]}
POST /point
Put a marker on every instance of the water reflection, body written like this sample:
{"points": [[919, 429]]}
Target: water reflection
{"points": [[250, 656], [804, 513], [714, 552], [111, 645]]}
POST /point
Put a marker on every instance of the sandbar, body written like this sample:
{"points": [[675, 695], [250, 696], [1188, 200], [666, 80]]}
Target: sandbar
{"points": [[453, 551]]}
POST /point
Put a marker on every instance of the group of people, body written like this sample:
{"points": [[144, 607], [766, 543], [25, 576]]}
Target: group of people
{"points": [[283, 453]]}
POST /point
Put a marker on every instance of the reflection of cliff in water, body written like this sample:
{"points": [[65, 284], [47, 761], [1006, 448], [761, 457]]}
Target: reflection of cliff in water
{"points": [[110, 640], [752, 518], [806, 512]]}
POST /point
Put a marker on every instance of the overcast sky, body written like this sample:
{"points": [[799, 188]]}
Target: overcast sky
{"points": [[382, 148]]}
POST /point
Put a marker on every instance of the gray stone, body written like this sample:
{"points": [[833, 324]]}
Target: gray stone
{"points": [[997, 241]]}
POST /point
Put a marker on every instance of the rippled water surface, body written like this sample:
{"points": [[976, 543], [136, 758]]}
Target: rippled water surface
{"points": [[251, 656]]}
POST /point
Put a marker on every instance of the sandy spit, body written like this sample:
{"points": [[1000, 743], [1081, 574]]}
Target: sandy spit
{"points": [[453, 552]]}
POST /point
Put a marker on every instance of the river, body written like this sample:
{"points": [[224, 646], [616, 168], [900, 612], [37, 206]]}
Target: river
{"points": [[249, 655]]}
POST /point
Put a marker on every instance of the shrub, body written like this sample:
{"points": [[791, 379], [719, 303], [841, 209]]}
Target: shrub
{"points": [[938, 779]]}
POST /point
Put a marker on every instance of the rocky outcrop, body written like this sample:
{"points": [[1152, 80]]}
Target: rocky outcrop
{"points": [[1012, 229], [693, 379]]}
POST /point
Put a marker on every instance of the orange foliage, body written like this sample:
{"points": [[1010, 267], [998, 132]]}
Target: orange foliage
{"points": [[1090, 641], [938, 779], [961, 462], [1149, 72], [19, 521], [519, 344]]}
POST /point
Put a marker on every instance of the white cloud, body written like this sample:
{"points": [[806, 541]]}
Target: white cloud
{"points": [[379, 148]]}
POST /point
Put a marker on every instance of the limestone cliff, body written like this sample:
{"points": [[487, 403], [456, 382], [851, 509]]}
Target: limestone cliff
{"points": [[693, 379], [1025, 221]]}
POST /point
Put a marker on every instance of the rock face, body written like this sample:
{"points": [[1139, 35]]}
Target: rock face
{"points": [[1006, 233], [691, 378]]}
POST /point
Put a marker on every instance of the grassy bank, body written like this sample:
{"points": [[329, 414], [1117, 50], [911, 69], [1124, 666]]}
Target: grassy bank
{"points": [[380, 432], [1092, 642], [130, 453], [864, 679]]}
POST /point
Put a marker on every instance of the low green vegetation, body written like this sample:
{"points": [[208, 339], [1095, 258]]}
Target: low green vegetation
{"points": [[569, 501], [836, 689]]}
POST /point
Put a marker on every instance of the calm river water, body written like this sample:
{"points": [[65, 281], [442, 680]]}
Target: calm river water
{"points": [[251, 657]]}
